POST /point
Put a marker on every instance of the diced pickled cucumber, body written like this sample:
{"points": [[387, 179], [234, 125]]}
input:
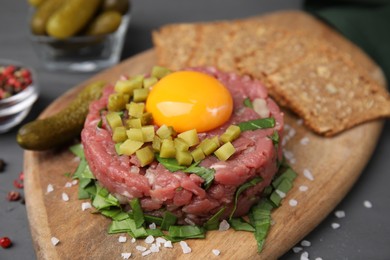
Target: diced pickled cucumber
{"points": [[198, 154], [225, 151], [230, 134], [128, 86], [167, 149], [145, 155], [160, 72], [148, 82], [164, 132], [114, 120], [129, 147], [156, 145], [135, 134], [148, 133], [183, 158], [116, 102], [119, 134], [208, 146], [140, 94], [190, 136], [180, 144], [146, 118], [134, 123], [136, 109]]}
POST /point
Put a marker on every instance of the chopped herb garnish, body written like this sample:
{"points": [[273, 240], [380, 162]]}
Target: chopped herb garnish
{"points": [[77, 150], [170, 163], [239, 224], [288, 174], [261, 123], [119, 226], [115, 213], [260, 219], [152, 219], [242, 188], [155, 232], [103, 199], [168, 220], [248, 103], [138, 215], [275, 138], [186, 232], [100, 123], [213, 222]]}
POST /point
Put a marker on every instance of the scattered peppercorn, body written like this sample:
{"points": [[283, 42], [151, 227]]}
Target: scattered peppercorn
{"points": [[13, 79], [18, 184], [5, 242], [13, 196], [2, 165]]}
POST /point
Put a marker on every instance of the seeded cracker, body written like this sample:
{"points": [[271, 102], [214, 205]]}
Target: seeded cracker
{"points": [[306, 65]]}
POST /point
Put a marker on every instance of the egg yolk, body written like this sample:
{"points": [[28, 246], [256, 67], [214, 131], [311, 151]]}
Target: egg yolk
{"points": [[189, 100]]}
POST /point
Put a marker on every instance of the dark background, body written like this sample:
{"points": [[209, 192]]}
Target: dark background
{"points": [[364, 233]]}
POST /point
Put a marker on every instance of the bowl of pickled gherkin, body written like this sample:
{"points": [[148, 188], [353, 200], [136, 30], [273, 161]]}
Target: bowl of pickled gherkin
{"points": [[78, 35]]}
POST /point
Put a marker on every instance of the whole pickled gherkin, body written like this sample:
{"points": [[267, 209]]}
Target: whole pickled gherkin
{"points": [[121, 6], [42, 14], [71, 18], [104, 23], [48, 133]]}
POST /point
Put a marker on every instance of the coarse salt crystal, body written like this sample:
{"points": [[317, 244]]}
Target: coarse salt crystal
{"points": [[304, 141], [216, 252], [308, 174], [293, 202], [224, 225], [153, 226], [54, 241], [367, 204], [65, 197], [168, 244], [49, 188], [335, 225], [154, 248], [74, 182], [140, 248], [280, 193], [303, 188], [160, 240], [318, 258], [122, 239], [85, 206], [149, 239], [147, 252], [339, 213], [184, 246], [297, 249], [291, 132], [68, 185], [304, 256], [299, 121], [126, 255], [305, 243], [133, 240]]}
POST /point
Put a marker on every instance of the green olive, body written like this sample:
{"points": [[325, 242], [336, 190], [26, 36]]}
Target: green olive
{"points": [[48, 133], [104, 23], [71, 18]]}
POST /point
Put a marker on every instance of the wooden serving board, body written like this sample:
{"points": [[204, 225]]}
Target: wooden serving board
{"points": [[335, 164]]}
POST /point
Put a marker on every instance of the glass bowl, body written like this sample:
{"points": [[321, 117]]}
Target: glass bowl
{"points": [[15, 108], [81, 53]]}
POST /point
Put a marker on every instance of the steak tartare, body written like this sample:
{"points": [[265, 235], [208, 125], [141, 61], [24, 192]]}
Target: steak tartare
{"points": [[181, 193]]}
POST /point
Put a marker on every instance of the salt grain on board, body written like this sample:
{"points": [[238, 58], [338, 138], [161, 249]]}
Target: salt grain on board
{"points": [[304, 256], [335, 225], [133, 240], [308, 174], [147, 252], [297, 249], [340, 213], [122, 239], [184, 246], [68, 185], [74, 182], [85, 206], [304, 141], [141, 248], [293, 202], [280, 193], [168, 244], [65, 197], [318, 258], [126, 255], [153, 226], [154, 248], [149, 239], [216, 252], [367, 204], [303, 188], [49, 188], [54, 241], [305, 243], [224, 225], [160, 240]]}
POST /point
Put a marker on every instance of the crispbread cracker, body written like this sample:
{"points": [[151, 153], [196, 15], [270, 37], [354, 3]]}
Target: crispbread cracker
{"points": [[306, 65]]}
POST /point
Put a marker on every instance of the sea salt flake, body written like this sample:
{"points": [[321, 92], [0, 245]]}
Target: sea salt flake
{"points": [[308, 174], [299, 121], [297, 249], [141, 248], [154, 248], [133, 240], [126, 255], [216, 252], [54, 241], [335, 225], [68, 185], [147, 252], [367, 204], [304, 141], [305, 243], [293, 202], [149, 239], [304, 256], [65, 197], [303, 188], [122, 239], [160, 240], [85, 206], [280, 193], [153, 226], [74, 182], [49, 188], [224, 225], [184, 246], [168, 244], [318, 258], [340, 213]]}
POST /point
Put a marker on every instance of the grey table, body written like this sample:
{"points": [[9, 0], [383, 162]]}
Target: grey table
{"points": [[364, 233]]}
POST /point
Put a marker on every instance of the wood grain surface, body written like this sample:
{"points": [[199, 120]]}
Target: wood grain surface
{"points": [[335, 164]]}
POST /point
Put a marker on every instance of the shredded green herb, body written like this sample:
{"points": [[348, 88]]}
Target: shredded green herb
{"points": [[138, 215], [248, 103], [257, 124], [239, 224], [213, 222], [168, 220]]}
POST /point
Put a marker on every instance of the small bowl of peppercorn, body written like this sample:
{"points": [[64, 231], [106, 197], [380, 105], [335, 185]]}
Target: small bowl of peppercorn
{"points": [[18, 92]]}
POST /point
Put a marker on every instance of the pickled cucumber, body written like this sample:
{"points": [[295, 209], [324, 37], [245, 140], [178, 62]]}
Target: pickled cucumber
{"points": [[71, 18], [35, 3], [42, 15], [48, 133], [121, 6], [105, 23]]}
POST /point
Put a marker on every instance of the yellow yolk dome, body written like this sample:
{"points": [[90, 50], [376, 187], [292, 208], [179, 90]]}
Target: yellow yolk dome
{"points": [[189, 100]]}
